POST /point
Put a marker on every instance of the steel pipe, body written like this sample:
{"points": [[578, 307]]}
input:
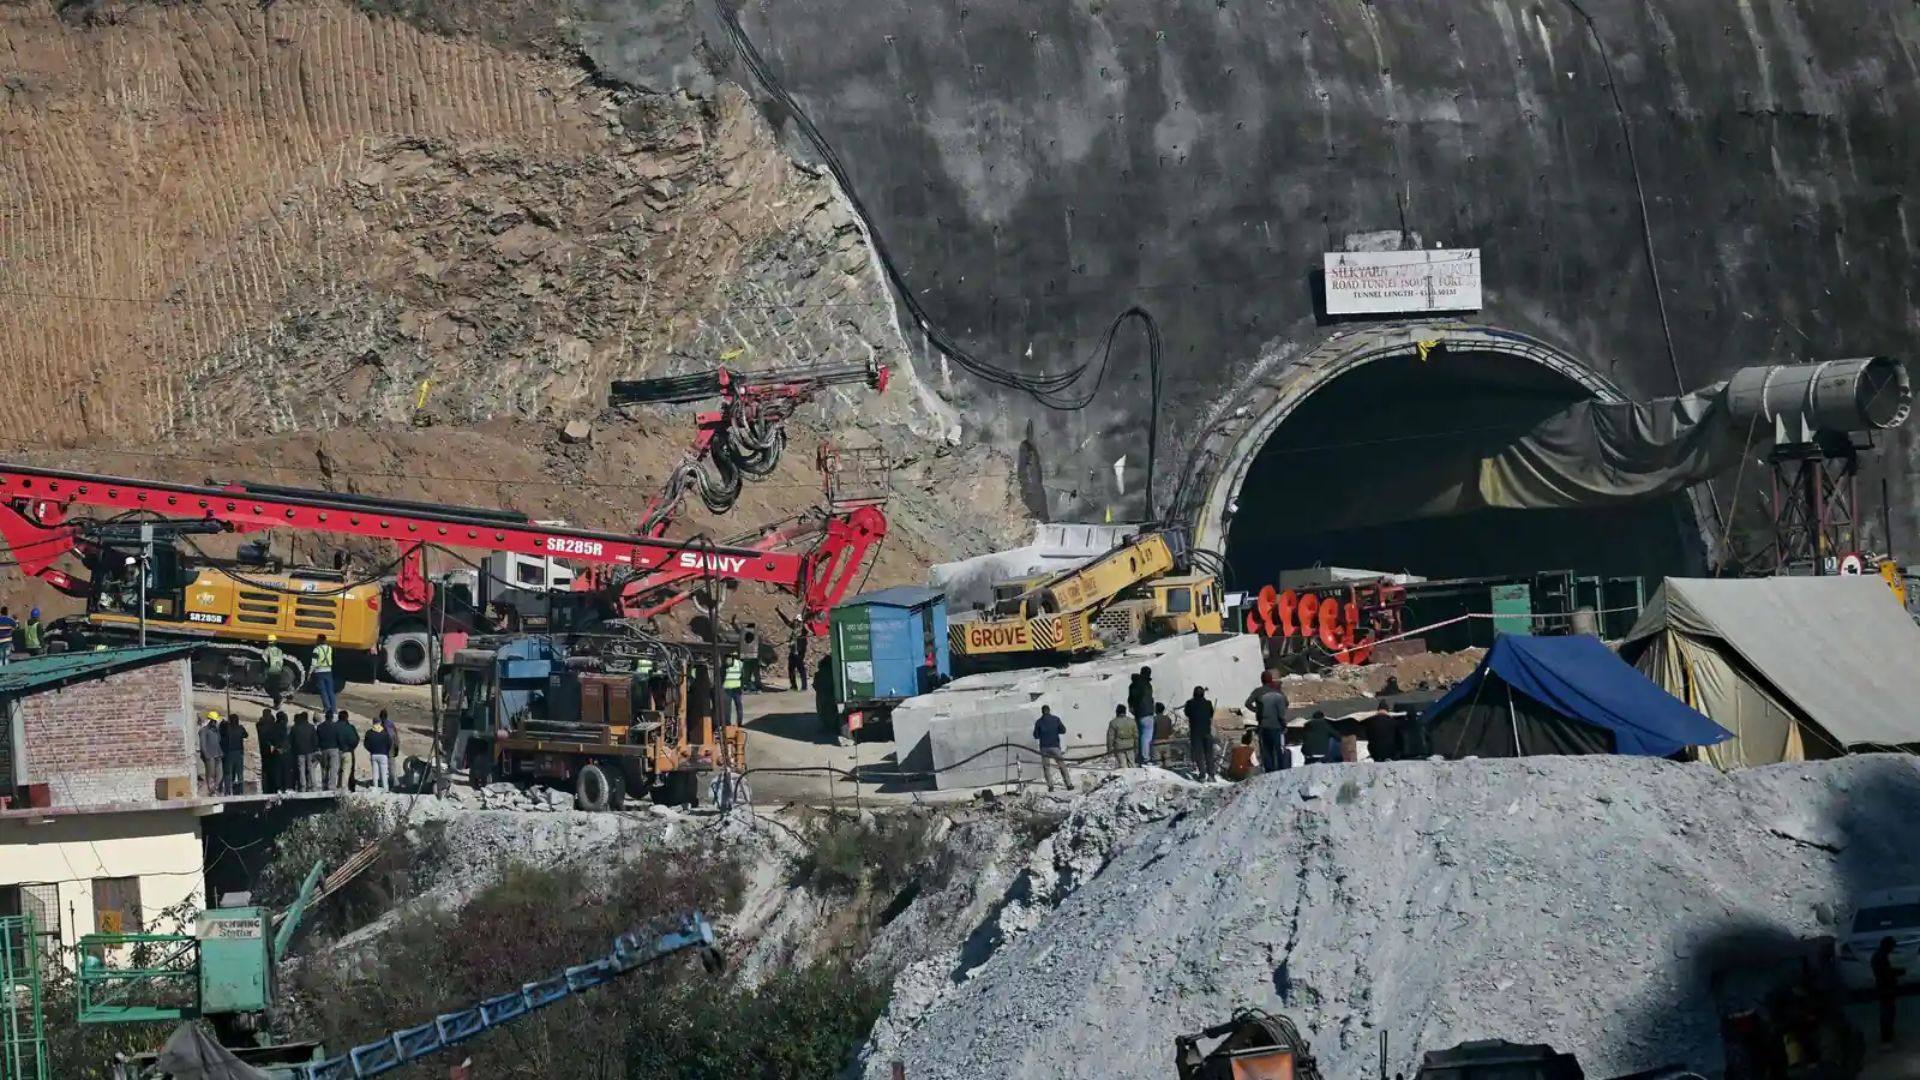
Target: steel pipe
{"points": [[1871, 393]]}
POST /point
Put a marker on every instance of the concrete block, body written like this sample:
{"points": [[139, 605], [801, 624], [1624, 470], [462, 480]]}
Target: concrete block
{"points": [[959, 730]]}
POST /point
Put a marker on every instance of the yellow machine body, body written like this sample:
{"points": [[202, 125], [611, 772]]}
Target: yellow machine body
{"points": [[294, 608]]}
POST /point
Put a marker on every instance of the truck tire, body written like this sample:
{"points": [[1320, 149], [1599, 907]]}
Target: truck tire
{"points": [[407, 656], [616, 788], [592, 788]]}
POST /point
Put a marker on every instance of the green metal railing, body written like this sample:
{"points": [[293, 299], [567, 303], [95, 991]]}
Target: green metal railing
{"points": [[23, 1041], [158, 981]]}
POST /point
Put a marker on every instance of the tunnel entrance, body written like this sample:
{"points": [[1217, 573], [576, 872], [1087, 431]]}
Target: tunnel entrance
{"points": [[1336, 483]]}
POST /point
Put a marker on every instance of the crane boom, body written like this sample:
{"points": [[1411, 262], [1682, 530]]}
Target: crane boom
{"points": [[38, 522]]}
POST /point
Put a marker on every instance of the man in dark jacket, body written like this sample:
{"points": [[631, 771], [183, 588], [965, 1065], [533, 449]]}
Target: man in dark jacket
{"points": [[348, 738], [306, 752], [1140, 703], [268, 740], [380, 753], [797, 659], [233, 748], [1319, 741], [284, 755], [1049, 732], [1382, 731], [1886, 986], [1200, 732], [1268, 704], [210, 754], [327, 739]]}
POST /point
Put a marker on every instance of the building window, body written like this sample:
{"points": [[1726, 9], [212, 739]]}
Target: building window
{"points": [[43, 903], [116, 905]]}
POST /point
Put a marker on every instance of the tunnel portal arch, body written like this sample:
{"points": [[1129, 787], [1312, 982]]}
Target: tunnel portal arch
{"points": [[1226, 454]]}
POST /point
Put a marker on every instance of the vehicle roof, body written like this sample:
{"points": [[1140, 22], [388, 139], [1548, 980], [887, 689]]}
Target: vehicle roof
{"points": [[55, 670], [899, 596], [1908, 894]]}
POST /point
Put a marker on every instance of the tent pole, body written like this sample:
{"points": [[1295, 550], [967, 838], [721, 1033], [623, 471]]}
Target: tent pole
{"points": [[1513, 720], [1477, 691]]}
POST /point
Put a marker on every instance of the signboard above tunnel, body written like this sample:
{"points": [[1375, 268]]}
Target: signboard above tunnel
{"points": [[1395, 282]]}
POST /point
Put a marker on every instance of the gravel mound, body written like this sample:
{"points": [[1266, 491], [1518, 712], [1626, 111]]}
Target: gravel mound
{"points": [[1582, 902]]}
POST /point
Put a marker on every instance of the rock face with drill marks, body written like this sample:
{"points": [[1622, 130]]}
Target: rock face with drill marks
{"points": [[230, 219], [1582, 902]]}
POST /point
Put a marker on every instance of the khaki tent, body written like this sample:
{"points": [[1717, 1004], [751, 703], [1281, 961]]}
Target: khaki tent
{"points": [[1795, 667]]}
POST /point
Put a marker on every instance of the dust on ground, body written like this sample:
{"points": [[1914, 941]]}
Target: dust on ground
{"points": [[1584, 902]]}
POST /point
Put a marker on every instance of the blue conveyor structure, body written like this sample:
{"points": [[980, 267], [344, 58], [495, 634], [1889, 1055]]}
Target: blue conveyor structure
{"points": [[630, 953]]}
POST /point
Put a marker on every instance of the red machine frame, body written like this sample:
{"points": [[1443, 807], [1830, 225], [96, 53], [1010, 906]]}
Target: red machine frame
{"points": [[37, 524]]}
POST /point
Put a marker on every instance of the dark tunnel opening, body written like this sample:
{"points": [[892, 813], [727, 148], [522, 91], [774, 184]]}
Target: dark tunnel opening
{"points": [[1332, 487]]}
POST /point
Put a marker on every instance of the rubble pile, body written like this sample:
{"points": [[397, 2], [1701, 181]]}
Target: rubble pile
{"points": [[514, 797], [1348, 682], [1583, 902]]}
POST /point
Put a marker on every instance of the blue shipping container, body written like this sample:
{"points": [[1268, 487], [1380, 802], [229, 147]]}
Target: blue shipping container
{"points": [[889, 645]]}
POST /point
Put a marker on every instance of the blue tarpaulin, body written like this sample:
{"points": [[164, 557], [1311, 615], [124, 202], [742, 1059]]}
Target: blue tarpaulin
{"points": [[1548, 695]]}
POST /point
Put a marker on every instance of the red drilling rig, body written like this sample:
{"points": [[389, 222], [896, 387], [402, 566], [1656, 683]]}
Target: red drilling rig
{"points": [[744, 438], [130, 533]]}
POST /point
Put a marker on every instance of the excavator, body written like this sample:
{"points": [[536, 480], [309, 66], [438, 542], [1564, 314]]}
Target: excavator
{"points": [[1145, 588]]}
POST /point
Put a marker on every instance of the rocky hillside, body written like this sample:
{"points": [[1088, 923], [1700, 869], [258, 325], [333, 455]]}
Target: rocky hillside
{"points": [[316, 242], [225, 219]]}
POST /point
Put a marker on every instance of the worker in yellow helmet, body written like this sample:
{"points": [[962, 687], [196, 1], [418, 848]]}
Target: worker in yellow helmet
{"points": [[210, 755], [276, 670], [323, 673]]}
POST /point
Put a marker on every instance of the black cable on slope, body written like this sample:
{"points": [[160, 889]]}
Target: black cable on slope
{"points": [[1049, 389]]}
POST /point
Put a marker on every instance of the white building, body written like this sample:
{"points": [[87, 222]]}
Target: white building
{"points": [[95, 834]]}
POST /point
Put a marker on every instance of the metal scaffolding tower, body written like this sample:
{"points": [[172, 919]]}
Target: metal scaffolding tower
{"points": [[1815, 502], [23, 1042]]}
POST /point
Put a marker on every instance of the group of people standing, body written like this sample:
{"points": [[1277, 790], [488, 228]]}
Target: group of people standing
{"points": [[295, 755], [1136, 725], [1130, 735]]}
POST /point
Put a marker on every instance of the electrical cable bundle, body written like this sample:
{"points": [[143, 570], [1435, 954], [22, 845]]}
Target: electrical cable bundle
{"points": [[750, 445]]}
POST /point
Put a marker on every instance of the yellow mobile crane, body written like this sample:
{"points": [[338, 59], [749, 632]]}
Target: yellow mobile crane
{"points": [[1142, 589]]}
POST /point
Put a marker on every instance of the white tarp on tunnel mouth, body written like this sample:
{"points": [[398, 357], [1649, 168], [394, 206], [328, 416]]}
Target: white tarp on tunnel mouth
{"points": [[1839, 651]]}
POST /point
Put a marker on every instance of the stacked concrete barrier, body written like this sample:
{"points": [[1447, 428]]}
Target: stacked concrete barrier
{"points": [[979, 730]]}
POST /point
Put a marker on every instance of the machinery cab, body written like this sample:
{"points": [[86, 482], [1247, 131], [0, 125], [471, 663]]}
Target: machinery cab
{"points": [[1252, 1045], [248, 598], [117, 589], [1185, 604], [525, 592], [1019, 597]]}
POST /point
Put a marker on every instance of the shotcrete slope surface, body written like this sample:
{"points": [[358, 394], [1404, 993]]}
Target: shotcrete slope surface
{"points": [[1582, 902]]}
